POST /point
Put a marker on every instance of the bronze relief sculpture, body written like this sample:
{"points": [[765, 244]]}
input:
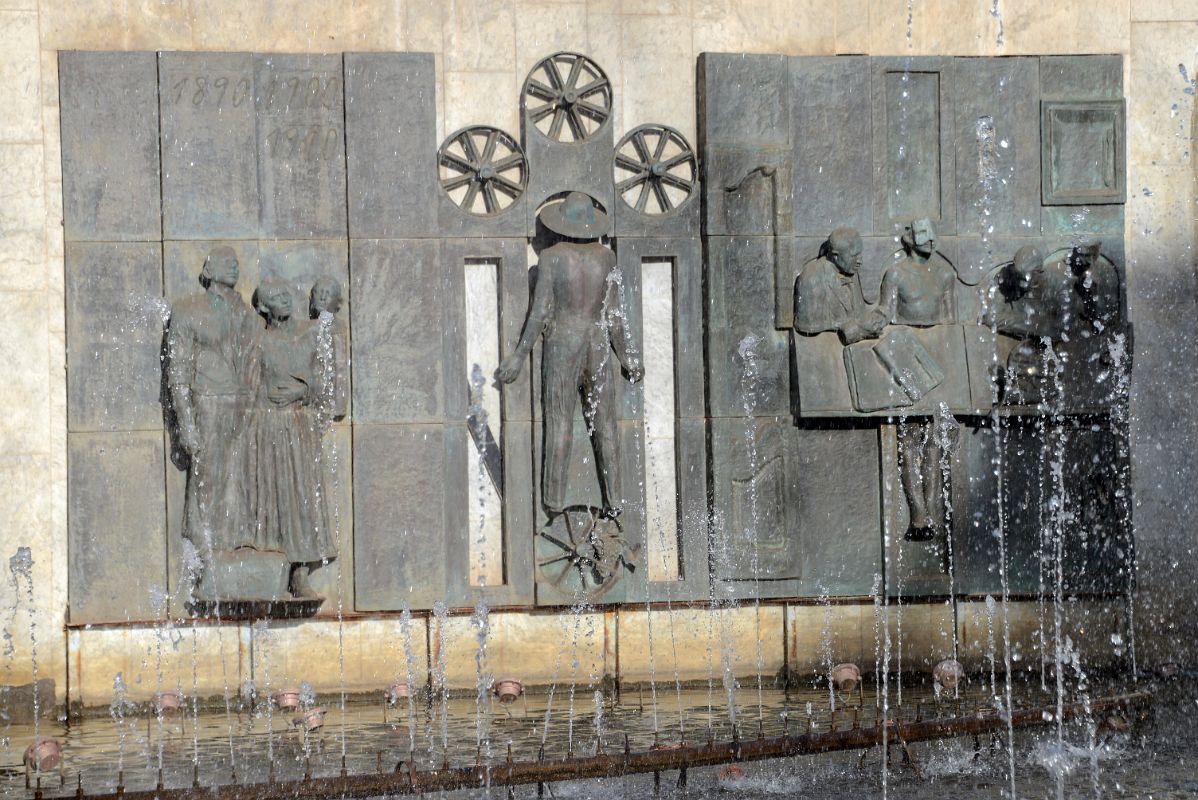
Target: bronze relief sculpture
{"points": [[292, 510], [576, 308], [251, 400], [212, 358]]}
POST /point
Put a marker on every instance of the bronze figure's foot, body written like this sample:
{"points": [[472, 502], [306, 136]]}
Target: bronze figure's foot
{"points": [[920, 533], [300, 587]]}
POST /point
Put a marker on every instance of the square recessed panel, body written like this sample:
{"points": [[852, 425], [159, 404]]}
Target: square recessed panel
{"points": [[1082, 146]]}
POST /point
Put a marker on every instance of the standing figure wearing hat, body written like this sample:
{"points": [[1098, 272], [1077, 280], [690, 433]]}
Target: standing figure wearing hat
{"points": [[575, 304]]}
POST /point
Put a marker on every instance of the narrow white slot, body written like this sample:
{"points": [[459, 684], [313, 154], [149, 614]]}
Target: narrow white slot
{"points": [[661, 492], [482, 348]]}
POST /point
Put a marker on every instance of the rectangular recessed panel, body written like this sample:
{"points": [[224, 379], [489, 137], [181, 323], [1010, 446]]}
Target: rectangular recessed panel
{"points": [[115, 321], [109, 114], [833, 182], [998, 146], [398, 323], [1083, 152], [301, 145], [390, 129], [117, 526], [661, 493], [912, 141], [400, 491], [485, 422], [209, 146]]}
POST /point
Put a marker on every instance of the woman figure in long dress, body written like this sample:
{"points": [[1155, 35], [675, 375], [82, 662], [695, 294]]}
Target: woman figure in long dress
{"points": [[292, 512]]}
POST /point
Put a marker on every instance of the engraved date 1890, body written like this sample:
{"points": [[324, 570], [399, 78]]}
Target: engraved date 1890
{"points": [[213, 91]]}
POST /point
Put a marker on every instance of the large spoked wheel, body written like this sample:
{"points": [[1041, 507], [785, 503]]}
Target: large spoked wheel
{"points": [[482, 169], [567, 97], [655, 169]]}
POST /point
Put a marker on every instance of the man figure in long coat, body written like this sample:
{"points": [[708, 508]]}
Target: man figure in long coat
{"points": [[576, 306], [212, 347]]}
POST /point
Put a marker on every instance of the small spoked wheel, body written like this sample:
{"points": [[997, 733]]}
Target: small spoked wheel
{"points": [[482, 169], [567, 97], [655, 169], [583, 552]]}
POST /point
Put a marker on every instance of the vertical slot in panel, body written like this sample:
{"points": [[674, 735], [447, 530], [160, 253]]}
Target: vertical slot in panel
{"points": [[484, 478], [661, 495]]}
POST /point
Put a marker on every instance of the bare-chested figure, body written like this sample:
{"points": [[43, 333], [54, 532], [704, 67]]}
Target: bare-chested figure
{"points": [[920, 291], [576, 305]]}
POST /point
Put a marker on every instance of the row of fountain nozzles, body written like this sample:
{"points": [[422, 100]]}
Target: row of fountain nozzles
{"points": [[508, 690], [947, 674]]}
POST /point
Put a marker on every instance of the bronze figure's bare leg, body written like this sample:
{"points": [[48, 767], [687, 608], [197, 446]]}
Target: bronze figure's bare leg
{"points": [[911, 440]]}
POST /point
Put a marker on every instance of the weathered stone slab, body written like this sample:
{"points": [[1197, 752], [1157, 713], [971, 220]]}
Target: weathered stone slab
{"points": [[913, 144], [837, 527], [996, 128], [401, 485], [109, 114], [744, 124], [1103, 220], [743, 99], [399, 322], [1094, 537], [740, 314], [117, 535], [831, 105], [115, 323], [1081, 77], [390, 131], [300, 145], [209, 146], [22, 704], [755, 487]]}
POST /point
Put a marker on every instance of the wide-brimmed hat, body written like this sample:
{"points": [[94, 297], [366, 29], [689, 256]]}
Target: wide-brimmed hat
{"points": [[576, 217]]}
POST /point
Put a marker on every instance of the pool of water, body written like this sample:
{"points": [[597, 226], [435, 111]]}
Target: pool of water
{"points": [[253, 745]]}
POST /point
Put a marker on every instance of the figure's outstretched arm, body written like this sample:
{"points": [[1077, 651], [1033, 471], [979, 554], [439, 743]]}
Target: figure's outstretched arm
{"points": [[539, 314]]}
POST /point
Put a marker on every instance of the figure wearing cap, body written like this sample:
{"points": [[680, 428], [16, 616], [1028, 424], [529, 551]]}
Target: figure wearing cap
{"points": [[575, 304]]}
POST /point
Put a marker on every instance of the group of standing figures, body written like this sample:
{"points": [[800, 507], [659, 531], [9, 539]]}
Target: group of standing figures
{"points": [[252, 392]]}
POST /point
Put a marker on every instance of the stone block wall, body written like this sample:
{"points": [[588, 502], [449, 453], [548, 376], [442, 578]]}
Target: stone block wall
{"points": [[482, 49]]}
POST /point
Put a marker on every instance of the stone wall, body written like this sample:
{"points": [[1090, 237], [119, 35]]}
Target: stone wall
{"points": [[483, 49]]}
